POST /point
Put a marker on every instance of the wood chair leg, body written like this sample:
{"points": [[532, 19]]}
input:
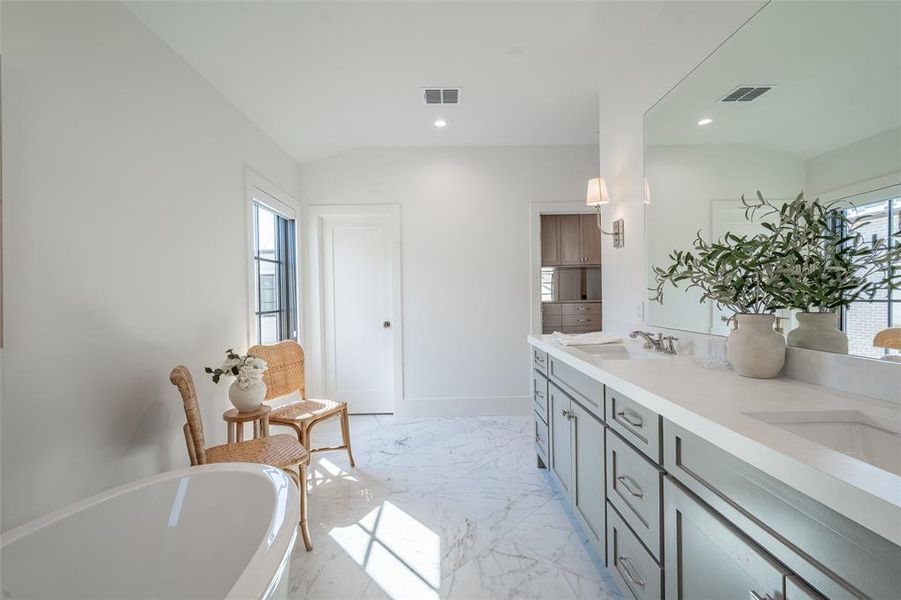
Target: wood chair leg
{"points": [[345, 433], [302, 486], [305, 436]]}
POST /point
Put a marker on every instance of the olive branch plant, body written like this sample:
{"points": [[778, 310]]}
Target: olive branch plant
{"points": [[830, 262], [810, 255]]}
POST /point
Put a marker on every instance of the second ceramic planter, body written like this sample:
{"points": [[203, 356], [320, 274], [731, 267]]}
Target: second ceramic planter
{"points": [[818, 331], [755, 349]]}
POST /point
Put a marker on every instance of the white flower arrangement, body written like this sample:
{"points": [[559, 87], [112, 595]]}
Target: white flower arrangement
{"points": [[248, 369]]}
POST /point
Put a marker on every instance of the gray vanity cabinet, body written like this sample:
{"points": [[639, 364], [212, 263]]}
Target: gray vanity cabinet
{"points": [[559, 406], [588, 470], [708, 559]]}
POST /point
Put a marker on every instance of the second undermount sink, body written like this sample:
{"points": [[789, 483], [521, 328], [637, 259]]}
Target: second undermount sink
{"points": [[615, 352], [874, 440]]}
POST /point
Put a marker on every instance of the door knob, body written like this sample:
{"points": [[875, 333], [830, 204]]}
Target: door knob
{"points": [[387, 324]]}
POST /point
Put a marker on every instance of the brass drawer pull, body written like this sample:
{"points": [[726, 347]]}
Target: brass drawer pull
{"points": [[627, 571], [630, 485], [583, 320], [582, 308], [630, 417]]}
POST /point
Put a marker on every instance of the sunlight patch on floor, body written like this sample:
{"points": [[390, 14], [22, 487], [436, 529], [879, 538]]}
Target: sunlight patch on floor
{"points": [[402, 555], [324, 471]]}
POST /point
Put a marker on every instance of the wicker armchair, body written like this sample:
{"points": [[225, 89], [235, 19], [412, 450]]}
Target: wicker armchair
{"points": [[280, 451], [285, 376]]}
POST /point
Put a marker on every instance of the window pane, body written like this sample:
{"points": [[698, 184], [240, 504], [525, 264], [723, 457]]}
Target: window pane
{"points": [[864, 320], [896, 314], [269, 329], [266, 236], [875, 223], [269, 286]]}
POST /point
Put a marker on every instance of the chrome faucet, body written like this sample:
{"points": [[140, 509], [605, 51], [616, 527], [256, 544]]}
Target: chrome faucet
{"points": [[662, 344], [650, 342]]}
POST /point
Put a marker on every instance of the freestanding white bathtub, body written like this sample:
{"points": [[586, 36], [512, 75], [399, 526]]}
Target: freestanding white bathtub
{"points": [[216, 531]]}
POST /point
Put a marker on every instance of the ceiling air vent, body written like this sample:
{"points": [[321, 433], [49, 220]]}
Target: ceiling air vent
{"points": [[441, 95], [746, 93]]}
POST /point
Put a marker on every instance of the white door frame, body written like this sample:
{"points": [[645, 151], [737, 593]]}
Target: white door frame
{"points": [[315, 343], [536, 209]]}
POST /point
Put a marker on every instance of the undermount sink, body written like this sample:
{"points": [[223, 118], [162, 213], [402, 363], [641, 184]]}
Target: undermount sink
{"points": [[866, 437], [614, 352]]}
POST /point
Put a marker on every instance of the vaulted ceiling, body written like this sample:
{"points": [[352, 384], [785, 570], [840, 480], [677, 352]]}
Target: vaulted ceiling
{"points": [[323, 77]]}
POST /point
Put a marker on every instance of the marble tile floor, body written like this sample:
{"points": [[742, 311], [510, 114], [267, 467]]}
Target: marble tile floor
{"points": [[440, 508]]}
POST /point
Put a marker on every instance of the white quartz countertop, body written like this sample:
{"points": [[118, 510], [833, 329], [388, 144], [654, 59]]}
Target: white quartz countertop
{"points": [[712, 404]]}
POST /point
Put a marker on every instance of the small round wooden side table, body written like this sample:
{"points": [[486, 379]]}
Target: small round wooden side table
{"points": [[235, 420]]}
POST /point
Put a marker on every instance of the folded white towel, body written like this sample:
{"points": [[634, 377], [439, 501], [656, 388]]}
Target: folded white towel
{"points": [[594, 338]]}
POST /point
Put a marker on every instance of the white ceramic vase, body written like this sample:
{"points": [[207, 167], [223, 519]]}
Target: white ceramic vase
{"points": [[755, 349], [246, 400], [817, 331]]}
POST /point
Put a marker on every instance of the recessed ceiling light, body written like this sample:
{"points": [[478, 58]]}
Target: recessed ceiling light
{"points": [[440, 123], [705, 121]]}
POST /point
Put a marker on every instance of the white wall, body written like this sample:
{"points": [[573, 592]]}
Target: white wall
{"points": [[125, 233], [864, 160], [681, 36], [684, 181], [466, 249]]}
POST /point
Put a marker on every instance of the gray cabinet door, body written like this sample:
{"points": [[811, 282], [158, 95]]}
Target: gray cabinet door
{"points": [[561, 437], [708, 559], [588, 456], [550, 244], [570, 244], [539, 394], [590, 239]]}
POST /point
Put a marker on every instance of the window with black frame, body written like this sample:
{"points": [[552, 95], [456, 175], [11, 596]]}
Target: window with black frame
{"points": [[275, 269], [863, 319]]}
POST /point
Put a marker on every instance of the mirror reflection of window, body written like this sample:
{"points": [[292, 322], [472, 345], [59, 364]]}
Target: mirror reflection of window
{"points": [[865, 318]]}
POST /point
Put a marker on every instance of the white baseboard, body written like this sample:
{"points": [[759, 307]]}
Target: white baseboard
{"points": [[465, 407]]}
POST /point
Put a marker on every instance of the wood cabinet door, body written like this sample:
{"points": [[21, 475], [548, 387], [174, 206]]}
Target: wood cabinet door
{"points": [[561, 437], [549, 241], [588, 456], [590, 239], [706, 558], [570, 240]]}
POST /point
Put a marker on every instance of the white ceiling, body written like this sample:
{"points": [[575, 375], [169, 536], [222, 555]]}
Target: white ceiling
{"points": [[837, 71], [323, 77]]}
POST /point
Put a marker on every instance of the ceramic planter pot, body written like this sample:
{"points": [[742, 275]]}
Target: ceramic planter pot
{"points": [[817, 331], [754, 348], [246, 400]]}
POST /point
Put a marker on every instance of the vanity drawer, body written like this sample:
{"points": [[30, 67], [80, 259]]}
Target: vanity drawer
{"points": [[637, 573], [541, 439], [837, 557], [539, 395], [551, 310], [796, 589], [588, 308], [580, 320], [552, 322], [587, 391], [638, 425], [539, 360], [635, 488]]}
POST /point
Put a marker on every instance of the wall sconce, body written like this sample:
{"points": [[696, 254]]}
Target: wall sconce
{"points": [[598, 196]]}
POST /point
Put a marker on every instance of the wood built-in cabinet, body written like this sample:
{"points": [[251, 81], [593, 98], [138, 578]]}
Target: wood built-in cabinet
{"points": [[571, 317], [570, 240]]}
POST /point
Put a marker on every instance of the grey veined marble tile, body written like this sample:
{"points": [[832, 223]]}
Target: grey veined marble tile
{"points": [[440, 508]]}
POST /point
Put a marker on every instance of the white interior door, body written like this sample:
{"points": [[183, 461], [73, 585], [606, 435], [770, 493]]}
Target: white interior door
{"points": [[360, 337]]}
